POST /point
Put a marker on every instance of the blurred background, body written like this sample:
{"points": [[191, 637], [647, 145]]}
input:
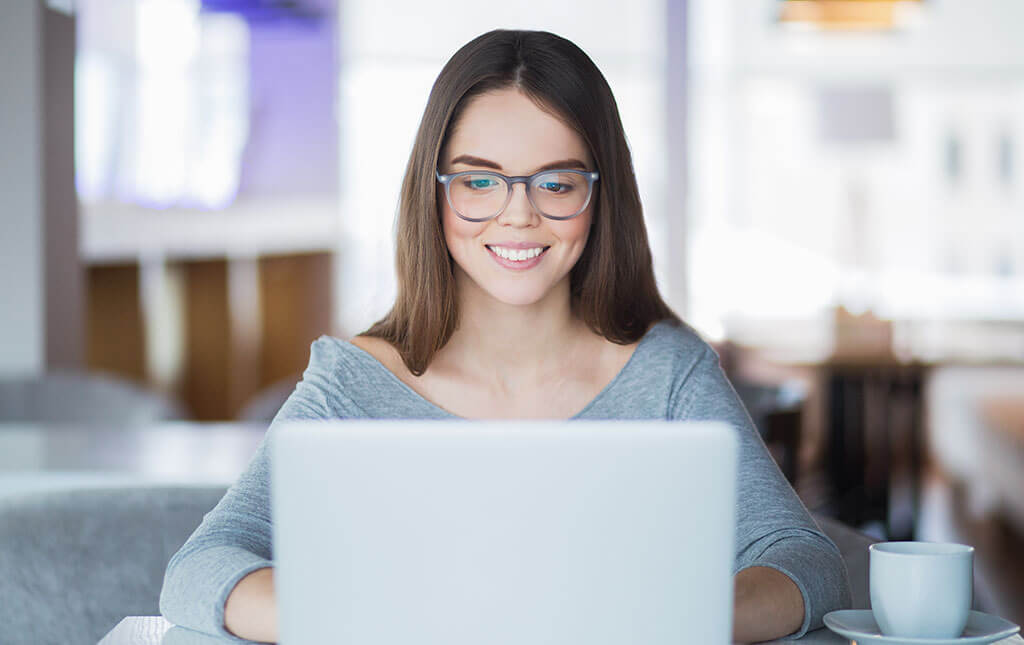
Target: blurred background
{"points": [[195, 190]]}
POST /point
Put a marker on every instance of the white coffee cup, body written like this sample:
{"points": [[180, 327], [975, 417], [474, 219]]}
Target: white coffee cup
{"points": [[921, 589]]}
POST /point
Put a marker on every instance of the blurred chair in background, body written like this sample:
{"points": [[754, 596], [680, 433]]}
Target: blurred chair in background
{"points": [[777, 412], [263, 406], [976, 436], [74, 563], [83, 397]]}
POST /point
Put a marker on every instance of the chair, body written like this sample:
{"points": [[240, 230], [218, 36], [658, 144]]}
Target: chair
{"points": [[777, 413], [74, 563], [70, 396], [264, 405]]}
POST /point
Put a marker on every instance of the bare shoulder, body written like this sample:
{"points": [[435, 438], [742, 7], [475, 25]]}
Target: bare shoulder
{"points": [[379, 348], [383, 351]]}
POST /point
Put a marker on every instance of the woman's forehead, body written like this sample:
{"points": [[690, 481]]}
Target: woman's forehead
{"points": [[508, 128]]}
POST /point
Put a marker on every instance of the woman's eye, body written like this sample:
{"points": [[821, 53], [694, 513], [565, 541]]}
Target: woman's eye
{"points": [[480, 183], [555, 187]]}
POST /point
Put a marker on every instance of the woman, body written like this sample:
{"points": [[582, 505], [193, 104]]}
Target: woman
{"points": [[525, 290]]}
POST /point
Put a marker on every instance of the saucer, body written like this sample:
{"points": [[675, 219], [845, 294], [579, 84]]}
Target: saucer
{"points": [[859, 625]]}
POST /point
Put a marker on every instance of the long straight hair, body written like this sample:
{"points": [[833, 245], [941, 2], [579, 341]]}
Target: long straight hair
{"points": [[612, 286]]}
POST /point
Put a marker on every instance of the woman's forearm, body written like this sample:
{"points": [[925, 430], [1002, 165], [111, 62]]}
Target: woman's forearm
{"points": [[251, 608], [766, 605]]}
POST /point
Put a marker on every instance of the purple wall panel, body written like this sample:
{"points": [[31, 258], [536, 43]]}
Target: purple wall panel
{"points": [[293, 140]]}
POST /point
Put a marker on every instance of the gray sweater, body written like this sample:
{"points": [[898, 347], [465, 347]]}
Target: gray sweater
{"points": [[673, 374]]}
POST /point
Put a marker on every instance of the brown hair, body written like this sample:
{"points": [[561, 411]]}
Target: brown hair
{"points": [[612, 286]]}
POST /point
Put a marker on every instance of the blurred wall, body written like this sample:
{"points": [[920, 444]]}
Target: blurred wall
{"points": [[63, 272], [21, 251], [40, 271], [873, 169]]}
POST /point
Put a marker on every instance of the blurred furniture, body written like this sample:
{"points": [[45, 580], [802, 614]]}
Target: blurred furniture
{"points": [[264, 405], [1005, 414], [82, 397], [875, 426], [215, 323], [37, 457], [875, 442], [976, 433], [90, 515], [74, 563], [777, 412]]}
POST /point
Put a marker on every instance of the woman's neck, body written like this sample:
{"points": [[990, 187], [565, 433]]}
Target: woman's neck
{"points": [[512, 348]]}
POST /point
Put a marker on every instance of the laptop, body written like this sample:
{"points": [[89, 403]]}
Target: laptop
{"points": [[518, 532]]}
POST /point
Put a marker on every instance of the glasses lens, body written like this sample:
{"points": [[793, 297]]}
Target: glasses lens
{"points": [[478, 195], [560, 194]]}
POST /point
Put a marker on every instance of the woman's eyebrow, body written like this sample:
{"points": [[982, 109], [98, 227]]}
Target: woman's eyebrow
{"points": [[486, 163]]}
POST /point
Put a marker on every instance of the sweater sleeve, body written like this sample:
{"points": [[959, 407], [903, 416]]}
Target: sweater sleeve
{"points": [[773, 528], [234, 539]]}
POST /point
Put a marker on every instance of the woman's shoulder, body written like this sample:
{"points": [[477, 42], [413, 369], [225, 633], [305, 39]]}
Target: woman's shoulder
{"points": [[675, 340], [668, 356], [340, 357], [372, 361], [378, 348], [354, 377]]}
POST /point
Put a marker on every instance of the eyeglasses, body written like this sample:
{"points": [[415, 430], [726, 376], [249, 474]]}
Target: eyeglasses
{"points": [[480, 195]]}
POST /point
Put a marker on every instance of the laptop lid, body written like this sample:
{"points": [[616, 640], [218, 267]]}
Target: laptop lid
{"points": [[519, 532]]}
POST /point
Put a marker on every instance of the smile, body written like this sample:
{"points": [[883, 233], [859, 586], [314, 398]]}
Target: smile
{"points": [[517, 258], [517, 254]]}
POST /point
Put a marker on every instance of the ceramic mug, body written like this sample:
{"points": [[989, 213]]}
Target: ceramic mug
{"points": [[921, 589]]}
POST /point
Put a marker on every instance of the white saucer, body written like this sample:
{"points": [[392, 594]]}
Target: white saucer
{"points": [[859, 625]]}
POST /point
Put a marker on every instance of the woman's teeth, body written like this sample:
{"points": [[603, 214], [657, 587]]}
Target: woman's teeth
{"points": [[517, 255]]}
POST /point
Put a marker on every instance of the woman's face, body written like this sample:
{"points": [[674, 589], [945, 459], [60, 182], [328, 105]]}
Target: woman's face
{"points": [[505, 131]]}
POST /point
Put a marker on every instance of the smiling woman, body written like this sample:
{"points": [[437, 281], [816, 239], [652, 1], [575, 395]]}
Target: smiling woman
{"points": [[519, 103], [525, 290]]}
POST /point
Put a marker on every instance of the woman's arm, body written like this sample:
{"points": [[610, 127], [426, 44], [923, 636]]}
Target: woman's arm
{"points": [[773, 528], [767, 604], [251, 609], [230, 553]]}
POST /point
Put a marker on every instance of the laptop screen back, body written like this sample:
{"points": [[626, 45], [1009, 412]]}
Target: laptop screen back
{"points": [[394, 532]]}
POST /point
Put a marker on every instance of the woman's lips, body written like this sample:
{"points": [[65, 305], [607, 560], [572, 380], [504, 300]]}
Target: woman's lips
{"points": [[517, 265]]}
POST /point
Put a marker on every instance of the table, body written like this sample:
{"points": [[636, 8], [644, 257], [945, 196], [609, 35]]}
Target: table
{"points": [[1005, 414], [45, 457], [154, 630]]}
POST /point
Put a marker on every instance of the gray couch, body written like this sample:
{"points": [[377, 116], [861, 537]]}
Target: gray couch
{"points": [[72, 396], [74, 563]]}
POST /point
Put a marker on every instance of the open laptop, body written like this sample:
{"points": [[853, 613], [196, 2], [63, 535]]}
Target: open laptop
{"points": [[456, 532]]}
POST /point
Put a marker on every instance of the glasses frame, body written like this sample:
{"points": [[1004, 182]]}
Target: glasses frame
{"points": [[446, 181]]}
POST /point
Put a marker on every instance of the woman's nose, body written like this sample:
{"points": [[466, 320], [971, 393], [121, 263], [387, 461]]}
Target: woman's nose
{"points": [[519, 210]]}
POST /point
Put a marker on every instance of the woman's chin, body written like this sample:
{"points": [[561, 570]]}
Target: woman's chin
{"points": [[518, 298], [526, 291]]}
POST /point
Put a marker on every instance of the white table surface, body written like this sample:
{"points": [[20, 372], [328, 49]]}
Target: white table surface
{"points": [[36, 457], [154, 630]]}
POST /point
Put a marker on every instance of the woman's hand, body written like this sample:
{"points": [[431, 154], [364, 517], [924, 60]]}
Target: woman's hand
{"points": [[251, 608], [767, 604]]}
